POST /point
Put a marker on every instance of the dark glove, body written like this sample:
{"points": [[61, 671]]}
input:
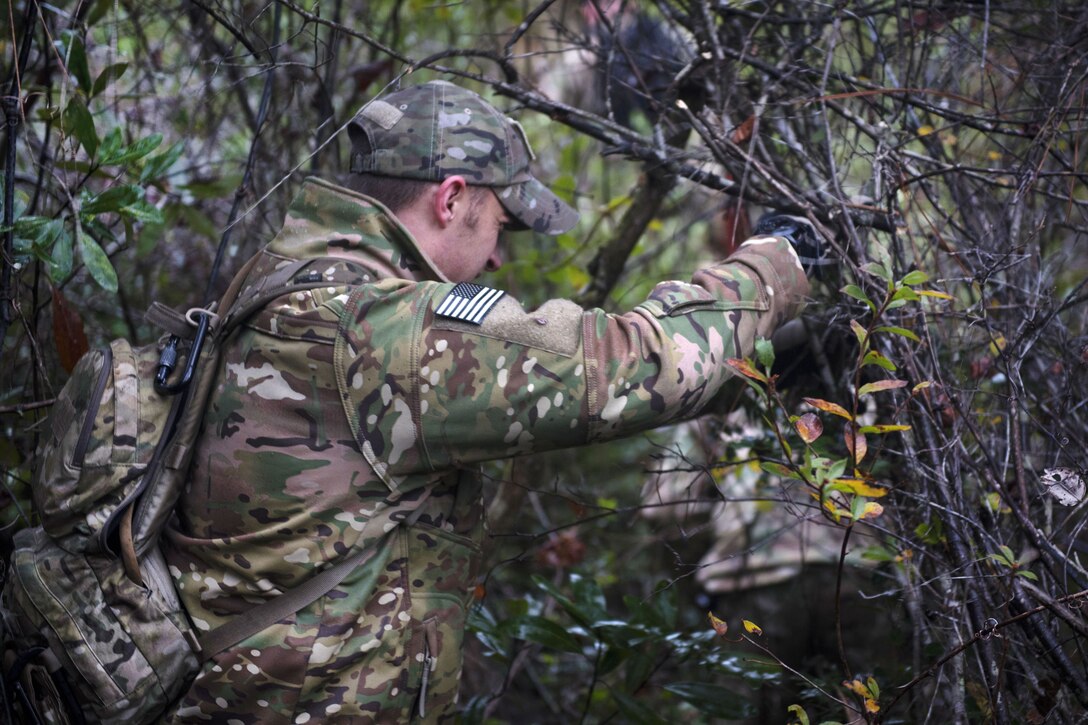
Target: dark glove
{"points": [[811, 250]]}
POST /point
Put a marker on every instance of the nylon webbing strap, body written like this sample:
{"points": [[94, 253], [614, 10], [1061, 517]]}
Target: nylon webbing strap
{"points": [[245, 625]]}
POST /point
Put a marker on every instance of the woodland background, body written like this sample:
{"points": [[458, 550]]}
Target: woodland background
{"points": [[884, 518]]}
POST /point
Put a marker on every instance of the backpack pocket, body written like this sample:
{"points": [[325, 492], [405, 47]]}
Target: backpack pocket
{"points": [[102, 433], [124, 648]]}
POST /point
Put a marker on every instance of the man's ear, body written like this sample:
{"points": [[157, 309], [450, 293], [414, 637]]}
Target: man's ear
{"points": [[450, 199]]}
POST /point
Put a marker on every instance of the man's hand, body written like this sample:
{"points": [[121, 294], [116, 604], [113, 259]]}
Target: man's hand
{"points": [[811, 249]]}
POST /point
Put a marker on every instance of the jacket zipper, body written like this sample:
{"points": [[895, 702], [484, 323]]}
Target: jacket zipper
{"points": [[430, 656]]}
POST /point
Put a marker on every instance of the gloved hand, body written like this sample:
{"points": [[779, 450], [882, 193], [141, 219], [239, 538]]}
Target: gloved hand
{"points": [[811, 249]]}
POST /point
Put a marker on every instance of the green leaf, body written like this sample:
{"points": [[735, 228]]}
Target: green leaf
{"points": [[97, 263], [859, 331], [712, 699], [905, 294], [157, 165], [62, 258], [778, 469], [75, 55], [136, 151], [899, 331], [113, 199], [856, 292], [111, 73], [878, 270], [765, 353], [110, 144], [634, 711], [141, 211], [78, 122], [915, 277], [875, 358], [542, 631]]}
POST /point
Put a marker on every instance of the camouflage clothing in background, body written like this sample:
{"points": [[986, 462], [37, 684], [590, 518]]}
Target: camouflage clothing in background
{"points": [[336, 402]]}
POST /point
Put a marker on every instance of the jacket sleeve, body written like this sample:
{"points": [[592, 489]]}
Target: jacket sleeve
{"points": [[557, 376]]}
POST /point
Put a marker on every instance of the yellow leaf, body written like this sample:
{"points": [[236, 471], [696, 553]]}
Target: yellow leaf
{"points": [[993, 155], [719, 625], [925, 130], [751, 627], [857, 687], [861, 488], [872, 510], [934, 293], [871, 706], [997, 345]]}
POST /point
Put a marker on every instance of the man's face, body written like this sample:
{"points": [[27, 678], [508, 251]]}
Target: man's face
{"points": [[473, 242]]}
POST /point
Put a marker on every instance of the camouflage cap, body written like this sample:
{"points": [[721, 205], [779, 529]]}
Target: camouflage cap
{"points": [[436, 130]]}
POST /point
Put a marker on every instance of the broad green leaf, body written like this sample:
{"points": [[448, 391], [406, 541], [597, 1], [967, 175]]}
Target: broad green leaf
{"points": [[878, 270], [157, 165], [136, 151], [78, 123], [873, 357], [634, 711], [111, 73], [915, 277], [714, 700], [545, 632], [75, 56], [110, 144], [141, 211], [62, 258], [113, 199], [905, 293], [899, 331], [856, 292], [97, 263]]}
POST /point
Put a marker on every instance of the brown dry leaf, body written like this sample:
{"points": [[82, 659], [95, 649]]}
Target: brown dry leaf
{"points": [[68, 333], [743, 132]]}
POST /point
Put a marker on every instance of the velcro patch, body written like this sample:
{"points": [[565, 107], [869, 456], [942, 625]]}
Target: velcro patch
{"points": [[384, 114], [469, 302]]}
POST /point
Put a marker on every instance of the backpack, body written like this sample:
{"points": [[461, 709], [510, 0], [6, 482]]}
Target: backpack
{"points": [[93, 628]]}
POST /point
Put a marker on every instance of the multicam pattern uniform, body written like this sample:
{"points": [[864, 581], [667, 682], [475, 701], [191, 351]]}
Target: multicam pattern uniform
{"points": [[336, 402]]}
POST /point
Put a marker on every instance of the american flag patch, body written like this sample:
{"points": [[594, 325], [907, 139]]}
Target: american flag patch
{"points": [[469, 302]]}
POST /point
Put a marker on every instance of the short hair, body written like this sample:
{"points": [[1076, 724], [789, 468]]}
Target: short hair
{"points": [[395, 193]]}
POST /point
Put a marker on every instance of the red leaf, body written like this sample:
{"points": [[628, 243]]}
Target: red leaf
{"points": [[68, 333], [745, 368], [855, 443], [810, 427], [829, 407]]}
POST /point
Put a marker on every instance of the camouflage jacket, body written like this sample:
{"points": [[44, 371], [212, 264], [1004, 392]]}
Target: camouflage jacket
{"points": [[335, 403]]}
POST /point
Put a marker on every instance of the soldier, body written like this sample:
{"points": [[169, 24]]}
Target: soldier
{"points": [[371, 404]]}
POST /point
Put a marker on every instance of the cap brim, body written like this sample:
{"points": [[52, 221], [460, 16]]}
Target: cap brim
{"points": [[536, 207]]}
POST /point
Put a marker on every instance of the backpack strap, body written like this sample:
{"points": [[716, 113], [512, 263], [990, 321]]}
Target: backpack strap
{"points": [[264, 615]]}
